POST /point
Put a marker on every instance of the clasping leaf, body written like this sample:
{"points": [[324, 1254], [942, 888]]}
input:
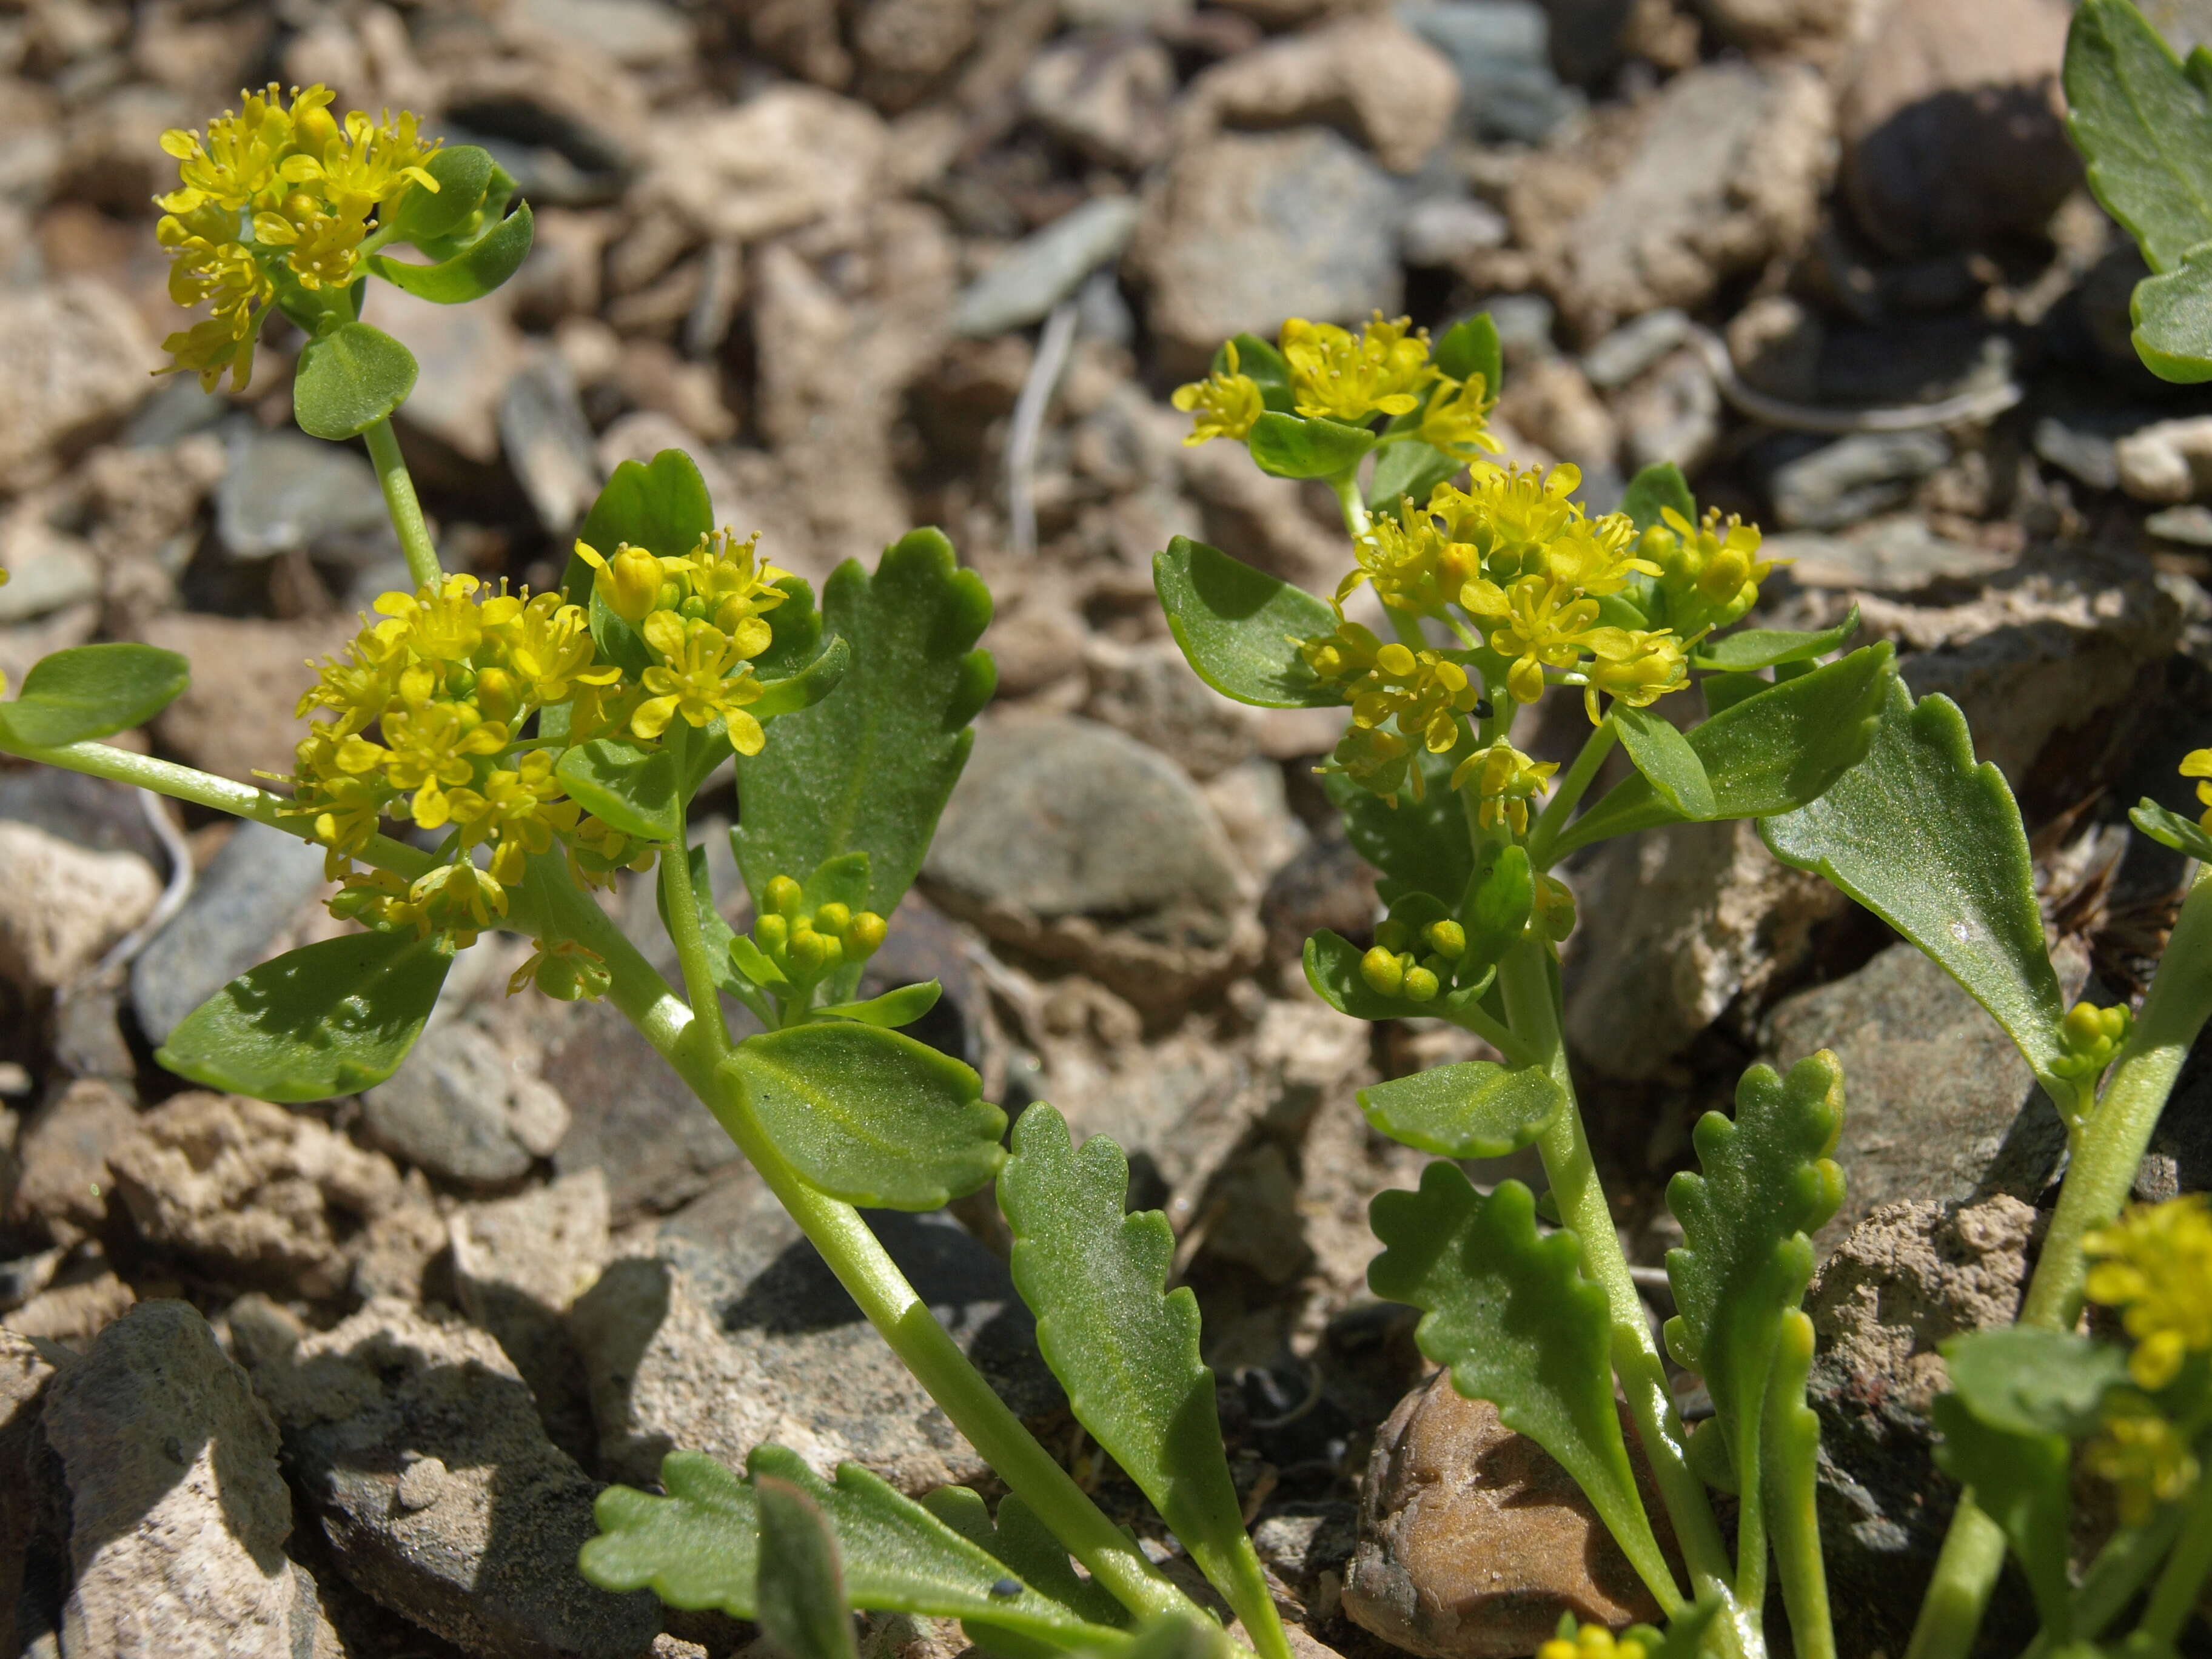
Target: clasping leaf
{"points": [[1290, 447], [92, 691], [1475, 1108], [1239, 627], [630, 786]]}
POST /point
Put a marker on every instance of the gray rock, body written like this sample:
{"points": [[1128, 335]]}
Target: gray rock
{"points": [[1910, 1277], [2179, 1159], [62, 905], [288, 492], [1106, 94], [1044, 269], [1524, 324], [461, 1109], [637, 34], [1632, 348], [178, 1513], [61, 1183], [1855, 478], [466, 355], [418, 1445], [731, 1332], [1148, 692], [1671, 414], [88, 812], [1898, 554], [1502, 49], [1247, 229], [33, 1497], [256, 884], [1938, 1104], [1442, 230], [548, 443], [47, 571], [2085, 447]]}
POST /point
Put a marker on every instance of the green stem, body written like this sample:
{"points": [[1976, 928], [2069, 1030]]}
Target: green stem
{"points": [[708, 1026], [1790, 1474], [1570, 790], [400, 502], [2128, 1559], [1531, 1008], [2174, 1598], [1346, 486], [1470, 1017], [866, 1270]]}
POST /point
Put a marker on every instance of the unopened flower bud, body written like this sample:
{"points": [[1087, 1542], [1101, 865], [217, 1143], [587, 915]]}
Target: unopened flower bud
{"points": [[1421, 985], [667, 596], [772, 933], [1724, 574], [1657, 544], [693, 609], [497, 694], [1384, 973], [630, 582], [314, 128], [833, 918], [808, 953], [1447, 938], [784, 896], [864, 936]]}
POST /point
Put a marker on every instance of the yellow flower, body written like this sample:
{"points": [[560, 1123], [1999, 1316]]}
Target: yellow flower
{"points": [[361, 165], [726, 582], [443, 625], [1379, 761], [1344, 655], [235, 166], [1590, 1642], [1510, 515], [549, 648], [2197, 763], [429, 748], [1551, 915], [1350, 377], [322, 244], [2144, 1457], [521, 809], [598, 849], [1540, 624], [457, 899], [1456, 421], [694, 686], [1634, 665], [1711, 571], [629, 583], [2155, 1265], [1423, 691], [1411, 564], [566, 971], [1226, 402], [1504, 781], [1596, 556]]}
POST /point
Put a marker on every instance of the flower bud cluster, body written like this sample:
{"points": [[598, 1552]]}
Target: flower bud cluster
{"points": [[1415, 966], [808, 945]]}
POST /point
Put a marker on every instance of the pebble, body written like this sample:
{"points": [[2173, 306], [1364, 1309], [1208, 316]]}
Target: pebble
{"points": [[34, 1500], [1894, 554], [2084, 446], [61, 905], [783, 158], [47, 570], [1443, 230], [1246, 229], [1629, 351], [728, 1331], [417, 1445], [462, 1110], [2166, 462], [61, 1182], [1473, 1541], [548, 442], [1855, 478], [635, 33], [2190, 525], [1913, 359], [73, 358], [255, 886], [1105, 93], [288, 492], [1672, 413], [1501, 51], [1044, 269], [178, 1512]]}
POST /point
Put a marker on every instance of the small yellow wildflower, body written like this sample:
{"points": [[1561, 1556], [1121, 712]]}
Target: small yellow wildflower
{"points": [[1504, 781], [694, 686], [565, 970], [1590, 1642], [2146, 1460], [1457, 420], [548, 649], [1710, 571], [1636, 666], [726, 582], [1225, 402], [1552, 915], [1510, 515], [1344, 655], [1411, 563], [1379, 761], [2155, 1265], [457, 900], [1539, 623], [2197, 763], [1382, 370], [629, 583], [519, 808], [429, 748]]}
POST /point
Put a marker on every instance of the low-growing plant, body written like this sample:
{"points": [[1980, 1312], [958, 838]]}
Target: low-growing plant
{"points": [[1491, 594]]}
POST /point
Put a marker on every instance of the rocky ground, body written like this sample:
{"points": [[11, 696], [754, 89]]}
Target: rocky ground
{"points": [[344, 1379]]}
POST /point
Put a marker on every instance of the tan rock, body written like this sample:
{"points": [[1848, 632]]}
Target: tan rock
{"points": [[1552, 402], [235, 717], [62, 1181], [83, 1300], [33, 1509], [782, 159], [1473, 1541], [2167, 461], [1106, 95], [62, 905], [74, 360]]}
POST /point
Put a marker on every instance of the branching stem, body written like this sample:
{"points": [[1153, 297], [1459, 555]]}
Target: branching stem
{"points": [[1570, 790], [400, 501]]}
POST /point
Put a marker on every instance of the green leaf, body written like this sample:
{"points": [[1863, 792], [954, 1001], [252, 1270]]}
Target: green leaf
{"points": [[902, 1006], [1290, 447], [1125, 1349], [1409, 468], [1933, 844], [1027, 1546], [1659, 485], [699, 1546], [799, 1594], [871, 1116], [329, 1018], [869, 768], [1420, 846], [1724, 692], [1475, 1108], [2170, 828], [628, 785], [795, 632], [1470, 347], [1239, 627], [1500, 897], [1332, 964], [2020, 1481], [463, 174], [2173, 316], [1753, 648], [1771, 753], [1510, 1312], [1258, 361], [840, 880], [348, 379], [473, 272], [2028, 1381], [805, 688], [754, 963], [1667, 760], [92, 691], [2143, 126], [661, 506]]}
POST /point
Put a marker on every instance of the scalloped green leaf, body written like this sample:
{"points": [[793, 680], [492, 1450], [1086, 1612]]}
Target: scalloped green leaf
{"points": [[2170, 828], [805, 688], [1510, 1312], [1659, 750], [348, 379], [2143, 126], [1026, 1545], [659, 505], [1769, 754], [1750, 649], [1419, 846], [902, 1006], [1659, 485], [699, 1546], [631, 785], [1291, 446], [329, 1018], [2172, 321], [1767, 1185], [1239, 627], [870, 767], [800, 1590], [1124, 1347], [1474, 1108], [871, 1116], [475, 272], [1933, 844], [92, 691]]}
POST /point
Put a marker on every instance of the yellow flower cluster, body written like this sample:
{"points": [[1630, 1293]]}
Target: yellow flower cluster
{"points": [[2146, 1458], [2197, 763], [1422, 694], [1226, 402], [274, 186], [2156, 1266], [1396, 968], [1710, 572], [1590, 1642]]}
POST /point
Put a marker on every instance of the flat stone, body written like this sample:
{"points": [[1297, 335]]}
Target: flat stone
{"points": [[1636, 346], [2086, 447], [783, 158], [61, 1180], [2190, 524], [73, 362], [62, 905], [235, 718], [178, 1514], [1855, 478], [1247, 229], [548, 443], [2167, 461], [466, 355], [729, 1333], [89, 813], [288, 492], [257, 884], [1938, 1104], [1894, 554], [1473, 1541], [1501, 50], [1440, 231], [47, 570], [1044, 268], [417, 1444], [461, 1109], [1107, 94]]}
